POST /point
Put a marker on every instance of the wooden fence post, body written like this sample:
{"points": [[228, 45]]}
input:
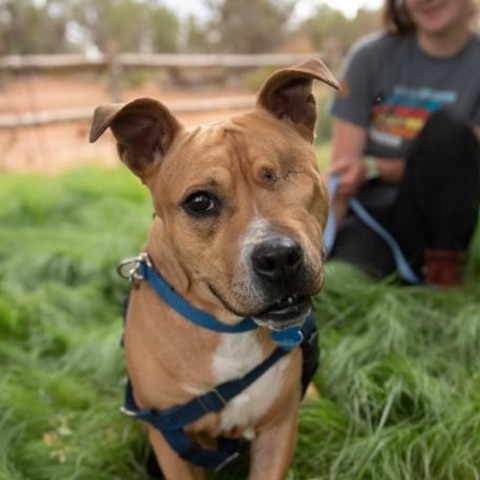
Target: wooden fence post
{"points": [[115, 71]]}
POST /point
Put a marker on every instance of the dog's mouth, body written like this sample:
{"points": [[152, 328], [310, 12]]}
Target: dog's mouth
{"points": [[285, 313]]}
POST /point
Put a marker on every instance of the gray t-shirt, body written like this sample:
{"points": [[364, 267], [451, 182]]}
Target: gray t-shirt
{"points": [[390, 87]]}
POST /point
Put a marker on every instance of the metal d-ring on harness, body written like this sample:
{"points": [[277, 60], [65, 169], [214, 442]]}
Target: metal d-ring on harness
{"points": [[171, 422], [129, 268]]}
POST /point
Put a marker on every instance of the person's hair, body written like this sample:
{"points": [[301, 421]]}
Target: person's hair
{"points": [[396, 19]]}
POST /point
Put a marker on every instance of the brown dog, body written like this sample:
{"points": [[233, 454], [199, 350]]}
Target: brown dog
{"points": [[240, 213]]}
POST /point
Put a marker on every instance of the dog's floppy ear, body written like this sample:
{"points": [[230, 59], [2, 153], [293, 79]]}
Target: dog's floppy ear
{"points": [[287, 94], [144, 130]]}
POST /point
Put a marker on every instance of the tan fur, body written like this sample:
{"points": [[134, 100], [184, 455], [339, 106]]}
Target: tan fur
{"points": [[263, 168]]}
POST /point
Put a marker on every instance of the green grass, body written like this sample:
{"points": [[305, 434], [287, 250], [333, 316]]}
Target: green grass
{"points": [[399, 380]]}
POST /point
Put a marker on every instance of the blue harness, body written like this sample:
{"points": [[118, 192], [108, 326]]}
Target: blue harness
{"points": [[172, 421], [403, 267]]}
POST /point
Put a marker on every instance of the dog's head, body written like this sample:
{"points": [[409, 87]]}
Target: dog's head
{"points": [[242, 204]]}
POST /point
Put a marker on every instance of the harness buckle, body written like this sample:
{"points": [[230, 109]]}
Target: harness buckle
{"points": [[129, 268], [220, 397]]}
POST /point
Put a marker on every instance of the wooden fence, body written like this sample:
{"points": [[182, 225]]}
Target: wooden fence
{"points": [[116, 66]]}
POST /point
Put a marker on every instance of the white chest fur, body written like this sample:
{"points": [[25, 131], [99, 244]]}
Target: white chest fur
{"points": [[235, 356]]}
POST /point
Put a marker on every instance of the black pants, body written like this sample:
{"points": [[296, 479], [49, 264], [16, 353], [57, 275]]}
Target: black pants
{"points": [[435, 205]]}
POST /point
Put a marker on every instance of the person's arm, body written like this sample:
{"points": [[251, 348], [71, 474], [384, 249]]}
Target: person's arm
{"points": [[348, 144], [349, 163], [351, 111]]}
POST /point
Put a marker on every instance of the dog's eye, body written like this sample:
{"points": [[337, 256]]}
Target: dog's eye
{"points": [[202, 204]]}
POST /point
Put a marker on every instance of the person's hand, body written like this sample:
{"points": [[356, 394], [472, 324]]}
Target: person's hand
{"points": [[351, 171]]}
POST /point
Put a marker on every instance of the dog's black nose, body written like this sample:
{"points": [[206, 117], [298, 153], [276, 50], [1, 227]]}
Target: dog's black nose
{"points": [[277, 259]]}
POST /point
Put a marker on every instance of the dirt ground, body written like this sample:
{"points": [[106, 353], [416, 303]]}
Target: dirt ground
{"points": [[52, 148]]}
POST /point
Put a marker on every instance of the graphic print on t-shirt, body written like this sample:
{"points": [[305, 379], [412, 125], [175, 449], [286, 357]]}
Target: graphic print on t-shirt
{"points": [[399, 117]]}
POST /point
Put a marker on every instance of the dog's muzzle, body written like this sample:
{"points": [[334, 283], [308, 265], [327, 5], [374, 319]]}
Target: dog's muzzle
{"points": [[279, 268], [277, 260]]}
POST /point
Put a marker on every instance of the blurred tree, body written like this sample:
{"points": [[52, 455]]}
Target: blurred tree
{"points": [[28, 27], [329, 28], [132, 25], [324, 24], [246, 26], [238, 26], [45, 26], [366, 21], [164, 28], [196, 36]]}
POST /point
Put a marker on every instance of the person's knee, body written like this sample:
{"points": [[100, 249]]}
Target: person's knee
{"points": [[444, 134], [447, 143], [447, 126]]}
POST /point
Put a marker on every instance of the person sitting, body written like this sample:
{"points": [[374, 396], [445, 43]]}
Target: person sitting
{"points": [[405, 141]]}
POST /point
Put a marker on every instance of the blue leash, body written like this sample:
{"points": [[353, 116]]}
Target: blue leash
{"points": [[403, 267]]}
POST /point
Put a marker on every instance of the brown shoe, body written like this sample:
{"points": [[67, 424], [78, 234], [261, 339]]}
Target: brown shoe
{"points": [[444, 267]]}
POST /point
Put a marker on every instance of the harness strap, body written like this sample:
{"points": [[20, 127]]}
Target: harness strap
{"points": [[179, 441], [171, 421], [403, 267], [310, 352], [211, 402]]}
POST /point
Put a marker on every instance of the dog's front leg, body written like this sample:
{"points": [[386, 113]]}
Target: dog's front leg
{"points": [[173, 467], [272, 450]]}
